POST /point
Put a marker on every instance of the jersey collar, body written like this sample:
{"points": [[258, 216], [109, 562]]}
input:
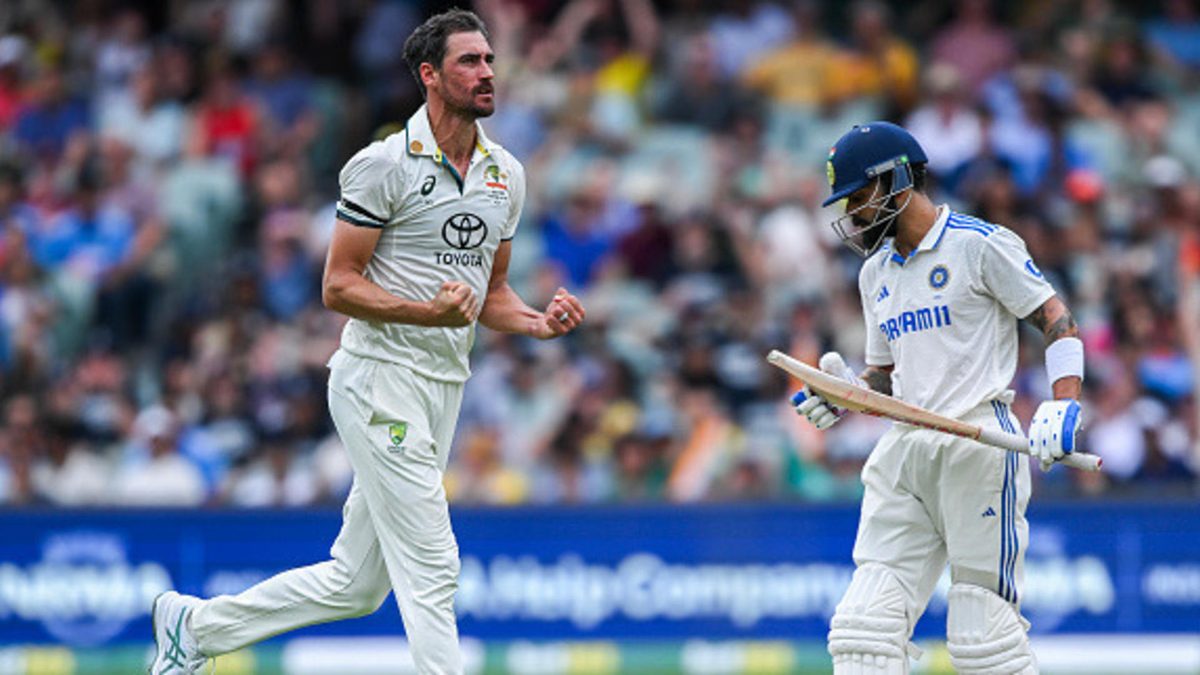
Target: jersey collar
{"points": [[931, 239], [422, 143]]}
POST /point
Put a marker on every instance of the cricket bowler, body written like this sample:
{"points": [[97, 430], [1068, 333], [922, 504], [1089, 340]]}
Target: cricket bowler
{"points": [[420, 252], [941, 294]]}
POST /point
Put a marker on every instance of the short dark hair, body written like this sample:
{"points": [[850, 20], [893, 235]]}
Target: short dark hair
{"points": [[918, 171], [919, 175], [427, 44]]}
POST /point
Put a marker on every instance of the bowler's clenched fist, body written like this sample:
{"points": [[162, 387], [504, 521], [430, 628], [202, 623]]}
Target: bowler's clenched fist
{"points": [[562, 315]]}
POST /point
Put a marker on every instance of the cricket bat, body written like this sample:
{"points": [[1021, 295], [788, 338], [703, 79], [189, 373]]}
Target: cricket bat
{"points": [[843, 394]]}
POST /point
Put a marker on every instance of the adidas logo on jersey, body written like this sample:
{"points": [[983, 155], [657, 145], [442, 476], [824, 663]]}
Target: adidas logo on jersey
{"points": [[990, 513], [883, 294]]}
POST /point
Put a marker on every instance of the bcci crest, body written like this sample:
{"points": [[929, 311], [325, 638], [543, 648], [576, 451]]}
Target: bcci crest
{"points": [[397, 432], [938, 277]]}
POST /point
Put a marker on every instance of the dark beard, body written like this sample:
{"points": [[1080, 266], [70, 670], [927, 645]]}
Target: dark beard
{"points": [[477, 112], [870, 238], [467, 108]]}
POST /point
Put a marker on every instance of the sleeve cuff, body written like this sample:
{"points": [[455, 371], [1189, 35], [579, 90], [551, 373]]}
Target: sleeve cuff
{"points": [[356, 219], [358, 215]]}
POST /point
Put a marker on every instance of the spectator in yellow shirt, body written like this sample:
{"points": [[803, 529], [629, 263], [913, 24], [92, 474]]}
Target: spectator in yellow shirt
{"points": [[878, 64], [797, 74]]}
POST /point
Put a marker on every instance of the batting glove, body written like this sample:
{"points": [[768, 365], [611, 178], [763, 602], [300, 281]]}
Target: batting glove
{"points": [[1054, 431], [821, 413]]}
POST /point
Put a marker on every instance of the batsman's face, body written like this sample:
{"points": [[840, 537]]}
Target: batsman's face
{"points": [[464, 81], [862, 205], [870, 219]]}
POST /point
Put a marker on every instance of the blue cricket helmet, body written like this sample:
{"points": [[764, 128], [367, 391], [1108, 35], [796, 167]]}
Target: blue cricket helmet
{"points": [[869, 150]]}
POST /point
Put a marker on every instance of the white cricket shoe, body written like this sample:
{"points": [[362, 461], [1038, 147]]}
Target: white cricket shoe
{"points": [[175, 650]]}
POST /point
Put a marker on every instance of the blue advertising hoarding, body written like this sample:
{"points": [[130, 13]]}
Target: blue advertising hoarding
{"points": [[86, 578]]}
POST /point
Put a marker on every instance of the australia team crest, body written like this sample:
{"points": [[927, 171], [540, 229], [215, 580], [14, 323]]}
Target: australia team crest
{"points": [[495, 183], [396, 434]]}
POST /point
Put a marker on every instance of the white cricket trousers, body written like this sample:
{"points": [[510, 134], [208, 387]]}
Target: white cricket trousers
{"points": [[397, 427], [931, 498]]}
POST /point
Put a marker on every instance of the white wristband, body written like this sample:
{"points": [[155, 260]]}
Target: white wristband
{"points": [[1064, 358]]}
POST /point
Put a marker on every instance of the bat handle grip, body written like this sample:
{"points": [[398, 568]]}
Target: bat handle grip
{"points": [[1083, 461], [1017, 443]]}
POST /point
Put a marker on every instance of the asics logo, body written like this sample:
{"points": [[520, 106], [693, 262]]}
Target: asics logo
{"points": [[175, 655]]}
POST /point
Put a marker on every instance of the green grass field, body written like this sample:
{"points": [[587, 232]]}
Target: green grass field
{"points": [[1095, 655]]}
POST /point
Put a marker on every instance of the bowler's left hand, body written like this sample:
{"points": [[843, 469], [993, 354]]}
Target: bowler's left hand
{"points": [[562, 315]]}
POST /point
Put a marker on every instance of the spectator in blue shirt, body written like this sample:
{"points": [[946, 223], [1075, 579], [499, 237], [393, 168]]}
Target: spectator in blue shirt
{"points": [[1177, 32], [285, 95], [582, 234], [51, 117], [88, 240]]}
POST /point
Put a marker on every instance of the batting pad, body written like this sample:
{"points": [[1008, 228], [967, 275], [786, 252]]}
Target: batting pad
{"points": [[869, 631], [985, 635]]}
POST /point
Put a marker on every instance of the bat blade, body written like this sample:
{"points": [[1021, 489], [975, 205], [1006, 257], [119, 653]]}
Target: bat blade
{"points": [[859, 399]]}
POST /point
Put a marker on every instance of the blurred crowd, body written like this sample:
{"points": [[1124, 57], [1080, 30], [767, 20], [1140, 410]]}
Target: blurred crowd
{"points": [[167, 180]]}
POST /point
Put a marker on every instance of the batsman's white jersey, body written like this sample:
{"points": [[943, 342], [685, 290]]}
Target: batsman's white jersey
{"points": [[946, 317], [437, 227]]}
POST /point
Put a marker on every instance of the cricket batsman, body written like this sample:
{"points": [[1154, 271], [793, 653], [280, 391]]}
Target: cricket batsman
{"points": [[420, 252], [941, 294]]}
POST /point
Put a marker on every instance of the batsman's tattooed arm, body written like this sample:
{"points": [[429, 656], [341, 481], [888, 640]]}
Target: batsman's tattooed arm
{"points": [[1054, 320], [879, 378]]}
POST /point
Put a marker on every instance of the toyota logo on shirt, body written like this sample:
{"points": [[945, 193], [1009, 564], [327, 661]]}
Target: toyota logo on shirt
{"points": [[464, 231]]}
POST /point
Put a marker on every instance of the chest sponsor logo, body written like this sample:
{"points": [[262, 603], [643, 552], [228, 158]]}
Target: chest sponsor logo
{"points": [[464, 231], [917, 321], [458, 259]]}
